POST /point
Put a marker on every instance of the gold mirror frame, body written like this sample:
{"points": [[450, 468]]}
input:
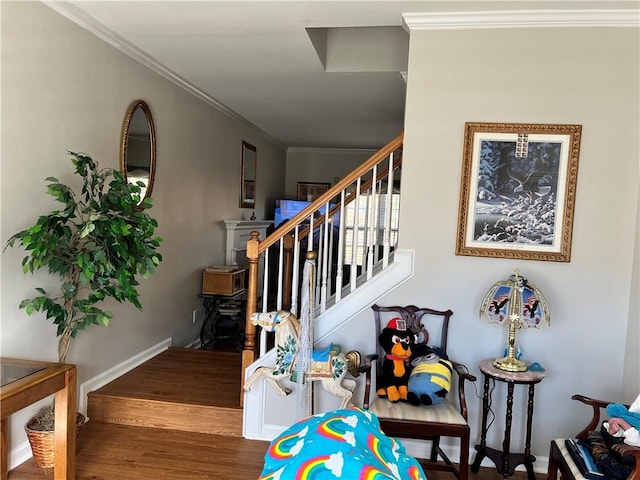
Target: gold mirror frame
{"points": [[134, 127], [248, 175]]}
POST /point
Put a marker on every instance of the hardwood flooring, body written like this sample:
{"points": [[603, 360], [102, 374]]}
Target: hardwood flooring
{"points": [[125, 439], [122, 452], [183, 375], [180, 389]]}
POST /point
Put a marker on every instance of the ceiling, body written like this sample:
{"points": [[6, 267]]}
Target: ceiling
{"points": [[315, 74]]}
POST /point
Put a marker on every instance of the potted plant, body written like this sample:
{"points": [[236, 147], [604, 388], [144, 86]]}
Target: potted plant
{"points": [[96, 244]]}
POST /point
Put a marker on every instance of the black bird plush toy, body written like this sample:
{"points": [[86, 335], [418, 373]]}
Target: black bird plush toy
{"points": [[396, 340]]}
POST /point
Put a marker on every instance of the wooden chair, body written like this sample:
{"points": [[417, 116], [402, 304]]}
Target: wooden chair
{"points": [[560, 460], [404, 420]]}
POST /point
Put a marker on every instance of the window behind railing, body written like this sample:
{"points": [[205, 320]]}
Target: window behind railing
{"points": [[352, 230], [362, 241]]}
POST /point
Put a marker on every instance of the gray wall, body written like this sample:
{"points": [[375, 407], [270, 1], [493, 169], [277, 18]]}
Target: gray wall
{"points": [[631, 374], [63, 88], [588, 76], [320, 165]]}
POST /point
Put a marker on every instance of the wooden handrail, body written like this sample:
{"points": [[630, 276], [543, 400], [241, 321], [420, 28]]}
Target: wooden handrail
{"points": [[257, 247], [332, 192], [352, 196]]}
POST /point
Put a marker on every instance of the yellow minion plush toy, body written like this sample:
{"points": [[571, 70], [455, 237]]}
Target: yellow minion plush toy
{"points": [[430, 380]]}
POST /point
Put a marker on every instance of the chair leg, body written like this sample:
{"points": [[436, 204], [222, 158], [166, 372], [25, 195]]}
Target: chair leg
{"points": [[552, 472], [434, 449], [464, 456]]}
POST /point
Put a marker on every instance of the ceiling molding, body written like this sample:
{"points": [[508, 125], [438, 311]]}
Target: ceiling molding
{"points": [[331, 150], [521, 19], [90, 24]]}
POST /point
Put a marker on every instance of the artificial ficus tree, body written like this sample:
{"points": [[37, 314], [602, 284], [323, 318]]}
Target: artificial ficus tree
{"points": [[96, 243]]}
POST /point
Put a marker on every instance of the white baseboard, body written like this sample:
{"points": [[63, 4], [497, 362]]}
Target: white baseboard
{"points": [[417, 448], [414, 448], [22, 452], [267, 433], [19, 455], [119, 370]]}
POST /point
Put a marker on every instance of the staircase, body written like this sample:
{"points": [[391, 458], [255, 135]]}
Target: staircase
{"points": [[352, 229], [352, 232], [190, 397], [158, 394]]}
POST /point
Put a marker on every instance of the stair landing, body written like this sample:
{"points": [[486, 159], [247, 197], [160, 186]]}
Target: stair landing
{"points": [[179, 389]]}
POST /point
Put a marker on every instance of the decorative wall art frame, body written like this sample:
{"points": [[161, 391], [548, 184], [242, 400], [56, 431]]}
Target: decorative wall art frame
{"points": [[309, 191], [518, 191]]}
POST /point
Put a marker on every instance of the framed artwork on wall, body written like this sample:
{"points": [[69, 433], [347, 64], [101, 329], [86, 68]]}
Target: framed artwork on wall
{"points": [[518, 189], [309, 191]]}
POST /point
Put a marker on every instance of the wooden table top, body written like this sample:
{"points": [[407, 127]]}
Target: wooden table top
{"points": [[22, 375]]}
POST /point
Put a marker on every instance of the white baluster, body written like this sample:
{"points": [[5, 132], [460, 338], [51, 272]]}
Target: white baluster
{"points": [[387, 215], [341, 240]]}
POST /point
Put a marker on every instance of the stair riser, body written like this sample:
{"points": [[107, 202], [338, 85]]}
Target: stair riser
{"points": [[167, 415]]}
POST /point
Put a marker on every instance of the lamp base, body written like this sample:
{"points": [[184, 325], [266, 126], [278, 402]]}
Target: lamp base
{"points": [[510, 364]]}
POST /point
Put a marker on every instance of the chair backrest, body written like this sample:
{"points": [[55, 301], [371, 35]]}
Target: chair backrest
{"points": [[429, 325]]}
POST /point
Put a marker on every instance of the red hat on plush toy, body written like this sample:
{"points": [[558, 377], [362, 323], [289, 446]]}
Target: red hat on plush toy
{"points": [[397, 324]]}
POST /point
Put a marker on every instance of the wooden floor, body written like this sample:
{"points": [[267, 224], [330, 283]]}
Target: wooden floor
{"points": [[183, 375], [132, 431], [122, 452], [180, 389]]}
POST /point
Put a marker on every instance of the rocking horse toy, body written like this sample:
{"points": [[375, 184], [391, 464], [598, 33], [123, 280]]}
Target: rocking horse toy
{"points": [[329, 365]]}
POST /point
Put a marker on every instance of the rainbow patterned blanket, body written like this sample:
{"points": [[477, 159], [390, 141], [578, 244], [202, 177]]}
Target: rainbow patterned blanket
{"points": [[345, 444]]}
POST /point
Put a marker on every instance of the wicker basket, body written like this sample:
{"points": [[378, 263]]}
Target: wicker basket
{"points": [[43, 442]]}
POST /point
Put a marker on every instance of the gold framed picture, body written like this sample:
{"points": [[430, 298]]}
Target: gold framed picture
{"points": [[518, 189]]}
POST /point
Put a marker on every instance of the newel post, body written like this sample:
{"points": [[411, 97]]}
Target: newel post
{"points": [[249, 352]]}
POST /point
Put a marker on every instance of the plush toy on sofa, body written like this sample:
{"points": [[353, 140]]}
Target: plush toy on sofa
{"points": [[430, 379], [396, 340]]}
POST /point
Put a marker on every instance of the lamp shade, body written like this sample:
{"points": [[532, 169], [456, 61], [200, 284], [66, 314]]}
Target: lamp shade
{"points": [[515, 296]]}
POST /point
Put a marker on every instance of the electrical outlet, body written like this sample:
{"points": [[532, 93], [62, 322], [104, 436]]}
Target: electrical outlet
{"points": [[194, 315]]}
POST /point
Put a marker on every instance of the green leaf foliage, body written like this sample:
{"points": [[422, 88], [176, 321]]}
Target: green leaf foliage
{"points": [[96, 244]]}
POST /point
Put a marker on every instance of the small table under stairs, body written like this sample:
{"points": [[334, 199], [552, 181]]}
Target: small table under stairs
{"points": [[225, 318]]}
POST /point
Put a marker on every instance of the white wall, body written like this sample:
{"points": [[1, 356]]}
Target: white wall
{"points": [[588, 76], [320, 165], [63, 88], [631, 385]]}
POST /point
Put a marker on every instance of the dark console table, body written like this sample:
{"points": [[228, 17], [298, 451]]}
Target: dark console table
{"points": [[505, 461], [224, 320]]}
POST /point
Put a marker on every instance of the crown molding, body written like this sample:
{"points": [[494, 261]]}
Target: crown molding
{"points": [[89, 23], [521, 19], [330, 150]]}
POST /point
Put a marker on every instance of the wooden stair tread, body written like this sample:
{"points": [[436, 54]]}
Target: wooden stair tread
{"points": [[182, 375], [179, 389]]}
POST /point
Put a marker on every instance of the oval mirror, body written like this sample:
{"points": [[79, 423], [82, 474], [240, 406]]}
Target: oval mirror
{"points": [[248, 176], [138, 147]]}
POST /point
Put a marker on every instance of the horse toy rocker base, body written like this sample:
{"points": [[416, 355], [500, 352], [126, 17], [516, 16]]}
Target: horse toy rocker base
{"points": [[329, 365]]}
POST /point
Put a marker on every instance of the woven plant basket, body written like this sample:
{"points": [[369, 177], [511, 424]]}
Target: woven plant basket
{"points": [[43, 442]]}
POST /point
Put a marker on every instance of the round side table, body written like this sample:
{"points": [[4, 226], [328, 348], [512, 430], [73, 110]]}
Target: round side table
{"points": [[504, 460]]}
